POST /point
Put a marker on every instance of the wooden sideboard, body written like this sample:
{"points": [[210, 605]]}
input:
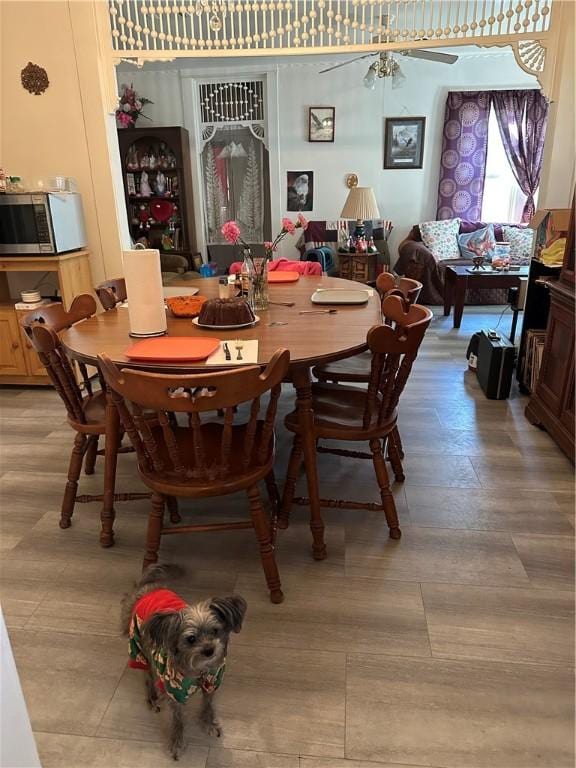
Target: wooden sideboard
{"points": [[19, 363], [552, 403]]}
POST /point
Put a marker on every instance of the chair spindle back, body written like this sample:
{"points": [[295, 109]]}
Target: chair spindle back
{"points": [[394, 347], [405, 287], [111, 293], [149, 403], [42, 327]]}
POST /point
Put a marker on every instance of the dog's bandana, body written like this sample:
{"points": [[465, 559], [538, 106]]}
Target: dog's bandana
{"points": [[168, 679]]}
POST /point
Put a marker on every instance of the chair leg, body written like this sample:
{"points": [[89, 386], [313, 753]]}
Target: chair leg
{"points": [[91, 453], [71, 490], [263, 534], [385, 492], [154, 533], [172, 505], [395, 457], [290, 484], [398, 442], [275, 501]]}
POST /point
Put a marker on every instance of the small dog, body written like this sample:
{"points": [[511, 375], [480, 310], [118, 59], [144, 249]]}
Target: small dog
{"points": [[183, 647]]}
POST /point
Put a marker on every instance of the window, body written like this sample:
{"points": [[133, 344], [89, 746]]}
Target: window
{"points": [[503, 199]]}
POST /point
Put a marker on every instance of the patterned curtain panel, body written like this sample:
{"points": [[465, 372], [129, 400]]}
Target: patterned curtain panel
{"points": [[233, 175], [463, 163], [522, 117]]}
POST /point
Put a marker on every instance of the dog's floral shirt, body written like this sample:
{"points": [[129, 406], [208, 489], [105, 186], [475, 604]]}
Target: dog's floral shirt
{"points": [[168, 680]]}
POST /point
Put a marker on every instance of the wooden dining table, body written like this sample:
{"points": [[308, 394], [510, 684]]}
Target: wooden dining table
{"points": [[312, 339]]}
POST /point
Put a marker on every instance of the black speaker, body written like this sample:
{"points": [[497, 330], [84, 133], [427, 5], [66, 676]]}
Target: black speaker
{"points": [[496, 355]]}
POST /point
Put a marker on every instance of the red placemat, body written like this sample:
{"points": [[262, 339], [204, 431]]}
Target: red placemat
{"points": [[174, 348], [283, 277]]}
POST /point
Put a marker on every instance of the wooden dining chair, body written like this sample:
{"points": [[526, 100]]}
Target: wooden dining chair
{"points": [[404, 287], [111, 293], [205, 456], [347, 413], [85, 407], [356, 369]]}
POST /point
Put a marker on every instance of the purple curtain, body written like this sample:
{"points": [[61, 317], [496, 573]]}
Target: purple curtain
{"points": [[522, 117], [463, 163]]}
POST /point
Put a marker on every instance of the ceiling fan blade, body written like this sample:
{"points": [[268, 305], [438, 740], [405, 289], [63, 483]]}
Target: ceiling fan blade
{"points": [[441, 58], [345, 63]]}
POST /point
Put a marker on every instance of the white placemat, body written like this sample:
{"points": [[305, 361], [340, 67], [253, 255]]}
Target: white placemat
{"points": [[249, 353]]}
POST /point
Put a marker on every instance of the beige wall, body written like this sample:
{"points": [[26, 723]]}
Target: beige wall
{"points": [[557, 181], [63, 131]]}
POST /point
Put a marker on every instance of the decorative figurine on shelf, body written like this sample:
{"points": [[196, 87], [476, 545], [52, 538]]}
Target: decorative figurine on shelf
{"points": [[167, 241], [371, 247], [132, 163], [171, 159], [162, 158], [361, 245], [145, 189], [153, 159], [160, 183]]}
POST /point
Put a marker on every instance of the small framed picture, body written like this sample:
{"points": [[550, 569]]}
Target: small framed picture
{"points": [[130, 183], [321, 123], [300, 190], [404, 142]]}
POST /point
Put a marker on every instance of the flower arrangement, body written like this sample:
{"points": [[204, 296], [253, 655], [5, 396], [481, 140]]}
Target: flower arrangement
{"points": [[130, 106], [258, 267], [232, 234]]}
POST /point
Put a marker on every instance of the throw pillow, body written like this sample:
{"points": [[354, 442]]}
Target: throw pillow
{"points": [[482, 242], [441, 238], [520, 239]]}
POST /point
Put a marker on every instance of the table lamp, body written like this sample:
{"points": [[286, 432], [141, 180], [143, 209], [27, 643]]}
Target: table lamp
{"points": [[362, 206]]}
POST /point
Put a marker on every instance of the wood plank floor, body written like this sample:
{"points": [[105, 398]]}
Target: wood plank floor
{"points": [[452, 648]]}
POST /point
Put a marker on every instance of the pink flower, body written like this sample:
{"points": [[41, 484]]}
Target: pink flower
{"points": [[288, 226], [231, 231], [302, 221], [124, 119]]}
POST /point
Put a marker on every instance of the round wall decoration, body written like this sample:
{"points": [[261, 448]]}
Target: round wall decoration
{"points": [[34, 79]]}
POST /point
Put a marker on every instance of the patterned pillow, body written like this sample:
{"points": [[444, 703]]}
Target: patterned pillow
{"points": [[520, 239], [441, 238], [482, 242]]}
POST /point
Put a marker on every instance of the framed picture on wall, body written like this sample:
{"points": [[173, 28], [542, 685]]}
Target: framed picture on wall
{"points": [[300, 190], [321, 123], [404, 142]]}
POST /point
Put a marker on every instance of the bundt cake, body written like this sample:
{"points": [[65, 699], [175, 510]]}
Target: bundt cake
{"points": [[225, 312]]}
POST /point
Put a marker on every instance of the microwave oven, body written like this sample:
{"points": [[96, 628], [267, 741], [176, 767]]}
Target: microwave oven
{"points": [[41, 223]]}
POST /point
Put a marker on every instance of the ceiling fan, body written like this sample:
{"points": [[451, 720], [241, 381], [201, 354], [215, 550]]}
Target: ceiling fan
{"points": [[387, 65]]}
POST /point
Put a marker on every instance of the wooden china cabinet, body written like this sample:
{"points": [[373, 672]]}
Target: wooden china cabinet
{"points": [[157, 178], [552, 403]]}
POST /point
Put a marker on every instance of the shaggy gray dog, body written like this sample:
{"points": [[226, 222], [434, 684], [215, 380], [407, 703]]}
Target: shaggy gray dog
{"points": [[183, 647]]}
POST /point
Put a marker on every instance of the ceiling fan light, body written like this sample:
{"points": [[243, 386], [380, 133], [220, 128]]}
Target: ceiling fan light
{"points": [[370, 77]]}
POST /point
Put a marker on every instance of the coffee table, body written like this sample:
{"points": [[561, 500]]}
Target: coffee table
{"points": [[457, 279]]}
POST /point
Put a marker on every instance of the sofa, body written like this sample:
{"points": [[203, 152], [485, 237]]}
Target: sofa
{"points": [[417, 262], [175, 267]]}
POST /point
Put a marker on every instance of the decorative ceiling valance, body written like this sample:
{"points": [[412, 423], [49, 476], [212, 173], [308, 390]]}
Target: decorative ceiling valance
{"points": [[226, 27]]}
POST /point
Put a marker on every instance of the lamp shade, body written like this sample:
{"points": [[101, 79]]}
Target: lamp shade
{"points": [[360, 205]]}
